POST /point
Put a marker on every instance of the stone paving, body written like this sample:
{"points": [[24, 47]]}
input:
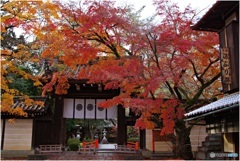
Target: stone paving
{"points": [[74, 155], [96, 156]]}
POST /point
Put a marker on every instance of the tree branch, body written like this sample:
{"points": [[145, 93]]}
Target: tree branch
{"points": [[209, 65], [179, 96], [198, 94], [170, 88], [183, 92], [104, 41], [196, 73], [154, 49]]}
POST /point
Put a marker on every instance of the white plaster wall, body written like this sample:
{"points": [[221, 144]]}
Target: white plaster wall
{"points": [[160, 146], [18, 135], [197, 135]]}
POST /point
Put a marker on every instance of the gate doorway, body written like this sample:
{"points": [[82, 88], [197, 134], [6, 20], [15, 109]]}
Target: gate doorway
{"points": [[91, 129], [80, 105]]}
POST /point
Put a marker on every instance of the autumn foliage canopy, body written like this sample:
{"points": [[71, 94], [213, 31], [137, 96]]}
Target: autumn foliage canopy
{"points": [[161, 68]]}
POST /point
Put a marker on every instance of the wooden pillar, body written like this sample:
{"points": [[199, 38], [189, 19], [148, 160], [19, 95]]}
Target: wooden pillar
{"points": [[153, 142], [34, 134], [59, 121], [122, 126], [3, 132], [143, 139]]}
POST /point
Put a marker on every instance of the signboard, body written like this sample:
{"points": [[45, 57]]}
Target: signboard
{"points": [[225, 64]]}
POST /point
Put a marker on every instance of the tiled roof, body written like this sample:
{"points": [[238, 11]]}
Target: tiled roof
{"points": [[224, 102], [32, 110]]}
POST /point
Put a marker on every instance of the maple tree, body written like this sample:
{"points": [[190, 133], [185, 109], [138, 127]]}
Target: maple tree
{"points": [[163, 69], [19, 58]]}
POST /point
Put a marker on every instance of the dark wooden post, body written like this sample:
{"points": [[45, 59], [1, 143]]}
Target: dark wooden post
{"points": [[153, 141], [3, 132], [143, 139], [60, 122], [122, 126]]}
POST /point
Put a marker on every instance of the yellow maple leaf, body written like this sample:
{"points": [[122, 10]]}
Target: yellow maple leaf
{"points": [[37, 83]]}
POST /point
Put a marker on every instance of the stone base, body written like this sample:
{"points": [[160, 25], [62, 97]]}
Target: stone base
{"points": [[16, 153], [104, 141], [106, 146]]}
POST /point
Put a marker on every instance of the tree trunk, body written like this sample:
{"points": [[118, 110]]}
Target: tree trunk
{"points": [[183, 148]]}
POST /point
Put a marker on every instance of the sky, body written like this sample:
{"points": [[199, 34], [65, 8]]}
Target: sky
{"points": [[149, 9]]}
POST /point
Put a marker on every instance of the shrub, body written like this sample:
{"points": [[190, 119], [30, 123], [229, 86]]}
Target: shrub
{"points": [[73, 144]]}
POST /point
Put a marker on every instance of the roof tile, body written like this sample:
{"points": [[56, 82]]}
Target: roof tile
{"points": [[219, 104]]}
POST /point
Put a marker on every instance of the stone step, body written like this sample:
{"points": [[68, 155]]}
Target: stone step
{"points": [[212, 143], [214, 137], [106, 146], [209, 148], [200, 155], [161, 155]]}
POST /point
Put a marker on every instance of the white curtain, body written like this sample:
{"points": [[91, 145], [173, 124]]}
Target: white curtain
{"points": [[101, 112], [79, 112], [68, 108], [90, 114], [112, 112]]}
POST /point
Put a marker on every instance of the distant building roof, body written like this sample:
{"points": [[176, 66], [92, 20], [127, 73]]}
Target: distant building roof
{"points": [[32, 110], [214, 19], [227, 101]]}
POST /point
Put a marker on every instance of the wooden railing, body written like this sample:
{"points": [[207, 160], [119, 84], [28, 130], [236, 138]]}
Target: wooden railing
{"points": [[88, 146], [133, 145], [50, 148], [130, 147]]}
